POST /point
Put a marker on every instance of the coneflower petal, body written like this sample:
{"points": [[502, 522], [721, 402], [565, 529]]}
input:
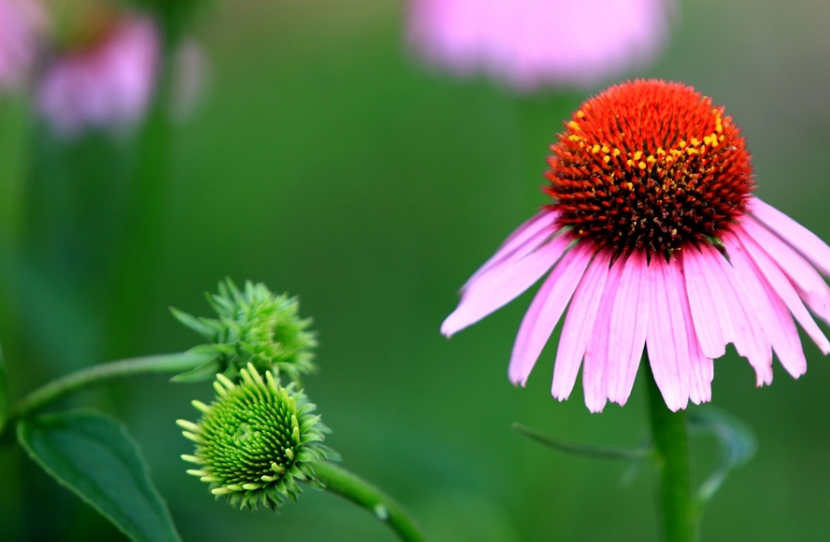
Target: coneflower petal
{"points": [[502, 284], [598, 373], [579, 323], [666, 340], [628, 326], [805, 241], [524, 240], [702, 304], [545, 311], [811, 287], [775, 319], [780, 285]]}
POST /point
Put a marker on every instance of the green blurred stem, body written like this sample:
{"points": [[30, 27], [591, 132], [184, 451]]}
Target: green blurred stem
{"points": [[671, 456], [137, 261], [352, 488], [63, 386]]}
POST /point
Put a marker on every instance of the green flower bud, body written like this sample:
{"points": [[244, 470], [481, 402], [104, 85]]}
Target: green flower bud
{"points": [[254, 326], [256, 440]]}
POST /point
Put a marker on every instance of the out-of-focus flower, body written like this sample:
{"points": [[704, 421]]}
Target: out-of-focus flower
{"points": [[21, 24], [530, 43], [655, 241], [105, 80]]}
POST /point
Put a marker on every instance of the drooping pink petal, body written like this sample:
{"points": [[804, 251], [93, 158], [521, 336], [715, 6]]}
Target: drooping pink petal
{"points": [[666, 340], [545, 311], [811, 287], [502, 284], [785, 290], [805, 241], [524, 240], [703, 303], [749, 337], [773, 315], [628, 327], [598, 373], [579, 323], [701, 367]]}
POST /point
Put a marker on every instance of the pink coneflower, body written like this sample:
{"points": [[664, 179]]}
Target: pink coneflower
{"points": [[655, 240], [105, 79], [529, 43], [21, 23]]}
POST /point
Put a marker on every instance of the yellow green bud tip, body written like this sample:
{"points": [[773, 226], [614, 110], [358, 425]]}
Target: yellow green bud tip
{"points": [[246, 377], [208, 479], [255, 374], [200, 406], [289, 453], [276, 468], [194, 472], [268, 479], [225, 382], [251, 487], [234, 487], [192, 459], [220, 391], [190, 426], [221, 491], [295, 434], [190, 436], [271, 382]]}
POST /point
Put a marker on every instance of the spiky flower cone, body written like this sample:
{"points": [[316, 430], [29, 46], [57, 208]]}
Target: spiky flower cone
{"points": [[256, 440], [254, 326]]}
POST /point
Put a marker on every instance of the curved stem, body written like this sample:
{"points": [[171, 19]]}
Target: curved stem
{"points": [[352, 488], [671, 456], [63, 386]]}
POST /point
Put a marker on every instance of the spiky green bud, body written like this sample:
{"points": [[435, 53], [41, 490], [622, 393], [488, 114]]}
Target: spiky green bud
{"points": [[254, 326], [256, 440]]}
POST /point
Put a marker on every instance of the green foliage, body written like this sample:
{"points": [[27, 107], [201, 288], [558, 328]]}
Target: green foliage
{"points": [[737, 443], [94, 457], [254, 326], [4, 392], [594, 451], [256, 440]]}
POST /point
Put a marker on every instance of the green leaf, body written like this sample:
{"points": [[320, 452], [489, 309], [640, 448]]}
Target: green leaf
{"points": [[94, 457], [736, 439], [585, 449], [205, 371]]}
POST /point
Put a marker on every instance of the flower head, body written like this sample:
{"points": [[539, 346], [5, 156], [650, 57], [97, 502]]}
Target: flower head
{"points": [[254, 326], [530, 43], [21, 23], [654, 241], [256, 440], [103, 76]]}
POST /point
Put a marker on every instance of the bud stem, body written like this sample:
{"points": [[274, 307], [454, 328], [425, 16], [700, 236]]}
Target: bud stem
{"points": [[63, 386], [349, 486], [671, 456]]}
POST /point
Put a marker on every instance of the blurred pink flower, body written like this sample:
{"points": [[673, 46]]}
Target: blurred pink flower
{"points": [[21, 23], [655, 241], [107, 84], [530, 43]]}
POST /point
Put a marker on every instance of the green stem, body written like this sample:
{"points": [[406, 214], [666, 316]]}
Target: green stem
{"points": [[63, 386], [137, 261], [671, 456], [352, 488]]}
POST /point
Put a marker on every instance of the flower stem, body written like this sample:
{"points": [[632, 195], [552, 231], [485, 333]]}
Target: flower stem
{"points": [[349, 486], [63, 386], [671, 456]]}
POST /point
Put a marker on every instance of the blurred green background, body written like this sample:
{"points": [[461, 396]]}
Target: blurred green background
{"points": [[327, 162]]}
